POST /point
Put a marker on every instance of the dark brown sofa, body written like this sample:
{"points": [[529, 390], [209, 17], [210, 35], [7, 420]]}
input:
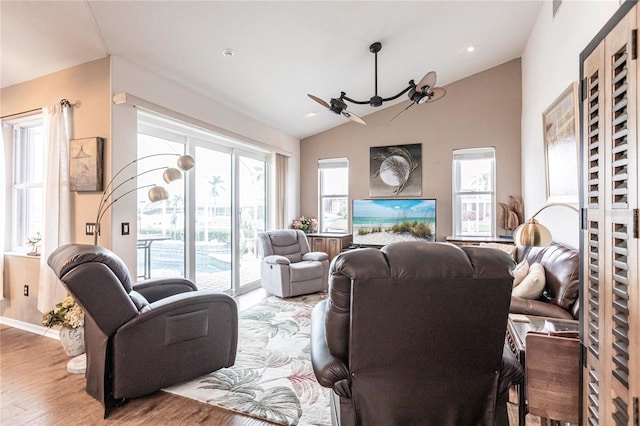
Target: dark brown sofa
{"points": [[414, 333], [560, 298]]}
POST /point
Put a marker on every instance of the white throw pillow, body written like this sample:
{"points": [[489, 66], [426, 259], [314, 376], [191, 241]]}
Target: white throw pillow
{"points": [[521, 270], [532, 285], [510, 249]]}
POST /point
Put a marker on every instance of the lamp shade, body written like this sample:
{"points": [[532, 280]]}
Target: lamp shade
{"points": [[171, 174], [158, 193], [532, 234], [186, 162]]}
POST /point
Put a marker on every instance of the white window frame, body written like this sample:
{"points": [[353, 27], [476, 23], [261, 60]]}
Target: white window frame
{"points": [[19, 220], [325, 164], [459, 157]]}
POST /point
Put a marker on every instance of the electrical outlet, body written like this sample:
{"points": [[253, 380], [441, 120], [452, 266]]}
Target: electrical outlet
{"points": [[89, 228], [26, 290], [125, 228]]}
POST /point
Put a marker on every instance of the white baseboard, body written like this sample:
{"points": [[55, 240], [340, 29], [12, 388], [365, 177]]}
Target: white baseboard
{"points": [[32, 328]]}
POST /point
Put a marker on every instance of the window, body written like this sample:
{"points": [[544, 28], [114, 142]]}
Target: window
{"points": [[27, 182], [474, 191], [334, 194]]}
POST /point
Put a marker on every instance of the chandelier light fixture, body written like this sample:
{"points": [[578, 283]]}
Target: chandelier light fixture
{"points": [[156, 192], [423, 92]]}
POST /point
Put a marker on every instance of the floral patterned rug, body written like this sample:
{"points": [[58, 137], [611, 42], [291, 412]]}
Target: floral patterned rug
{"points": [[272, 378]]}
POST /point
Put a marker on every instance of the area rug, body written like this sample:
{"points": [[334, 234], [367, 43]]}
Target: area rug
{"points": [[272, 378]]}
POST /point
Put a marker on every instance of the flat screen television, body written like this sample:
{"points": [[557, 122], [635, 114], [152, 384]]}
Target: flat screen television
{"points": [[383, 221]]}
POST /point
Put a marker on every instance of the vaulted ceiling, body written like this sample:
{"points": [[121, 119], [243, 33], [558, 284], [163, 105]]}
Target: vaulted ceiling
{"points": [[283, 50]]}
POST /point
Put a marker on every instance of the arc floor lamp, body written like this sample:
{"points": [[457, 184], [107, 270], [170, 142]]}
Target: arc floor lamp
{"points": [[156, 192], [533, 233]]}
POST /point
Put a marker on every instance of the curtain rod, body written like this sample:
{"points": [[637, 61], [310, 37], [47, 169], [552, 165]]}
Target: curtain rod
{"points": [[63, 102]]}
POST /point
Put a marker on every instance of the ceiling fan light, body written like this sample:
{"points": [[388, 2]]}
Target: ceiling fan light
{"points": [[422, 99]]}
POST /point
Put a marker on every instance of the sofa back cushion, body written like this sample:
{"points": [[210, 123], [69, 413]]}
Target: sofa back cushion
{"points": [[290, 243], [432, 308], [561, 264]]}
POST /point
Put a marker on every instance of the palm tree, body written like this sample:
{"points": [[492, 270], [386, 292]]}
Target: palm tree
{"points": [[216, 183]]}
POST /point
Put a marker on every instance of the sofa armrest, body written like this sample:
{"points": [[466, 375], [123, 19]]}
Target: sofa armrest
{"points": [[315, 255], [330, 371], [523, 306], [199, 325], [157, 289], [275, 259]]}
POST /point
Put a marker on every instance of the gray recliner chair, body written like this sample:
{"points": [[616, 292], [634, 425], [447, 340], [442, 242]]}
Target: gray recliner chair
{"points": [[288, 266], [145, 336], [414, 334]]}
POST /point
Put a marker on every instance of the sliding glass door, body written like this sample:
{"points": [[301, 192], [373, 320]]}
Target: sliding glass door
{"points": [[252, 208], [213, 229], [161, 225], [207, 230]]}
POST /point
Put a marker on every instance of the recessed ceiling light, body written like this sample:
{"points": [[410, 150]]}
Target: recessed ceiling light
{"points": [[311, 114], [228, 52], [471, 48]]}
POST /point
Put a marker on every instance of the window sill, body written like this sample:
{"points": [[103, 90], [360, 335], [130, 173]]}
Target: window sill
{"points": [[18, 254]]}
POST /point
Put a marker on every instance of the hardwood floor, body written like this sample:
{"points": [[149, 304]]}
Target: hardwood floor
{"points": [[36, 389]]}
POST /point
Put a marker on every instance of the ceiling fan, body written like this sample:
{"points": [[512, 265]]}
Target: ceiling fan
{"points": [[424, 92]]}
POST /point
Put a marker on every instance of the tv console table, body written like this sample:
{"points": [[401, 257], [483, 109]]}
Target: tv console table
{"points": [[332, 244]]}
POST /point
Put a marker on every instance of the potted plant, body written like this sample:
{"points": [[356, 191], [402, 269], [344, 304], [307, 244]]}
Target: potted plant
{"points": [[70, 316]]}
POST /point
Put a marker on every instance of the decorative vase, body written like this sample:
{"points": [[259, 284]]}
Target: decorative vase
{"points": [[72, 340]]}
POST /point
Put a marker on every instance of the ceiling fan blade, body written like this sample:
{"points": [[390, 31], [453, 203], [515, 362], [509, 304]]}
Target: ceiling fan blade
{"points": [[429, 79], [320, 101], [410, 105], [438, 93], [351, 116]]}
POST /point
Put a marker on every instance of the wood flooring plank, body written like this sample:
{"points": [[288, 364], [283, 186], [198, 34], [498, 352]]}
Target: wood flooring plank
{"points": [[36, 389]]}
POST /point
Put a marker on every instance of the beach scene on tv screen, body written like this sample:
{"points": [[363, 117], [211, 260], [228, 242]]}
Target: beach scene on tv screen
{"points": [[381, 222]]}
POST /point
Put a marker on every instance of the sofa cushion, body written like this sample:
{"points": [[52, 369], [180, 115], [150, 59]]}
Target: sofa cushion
{"points": [[562, 267], [510, 249], [519, 272], [532, 285], [304, 271]]}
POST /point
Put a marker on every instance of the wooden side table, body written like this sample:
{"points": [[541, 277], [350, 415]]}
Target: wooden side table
{"points": [[517, 328]]}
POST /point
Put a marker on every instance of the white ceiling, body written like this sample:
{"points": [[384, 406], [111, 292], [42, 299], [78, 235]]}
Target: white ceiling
{"points": [[284, 49]]}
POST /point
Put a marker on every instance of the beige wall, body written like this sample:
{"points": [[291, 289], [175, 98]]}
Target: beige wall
{"points": [[550, 63], [478, 111], [88, 87]]}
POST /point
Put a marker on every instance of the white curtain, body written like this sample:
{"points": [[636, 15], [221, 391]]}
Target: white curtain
{"points": [[282, 166], [57, 202], [3, 197]]}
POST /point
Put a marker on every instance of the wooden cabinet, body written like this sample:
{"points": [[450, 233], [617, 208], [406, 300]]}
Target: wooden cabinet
{"points": [[332, 244], [610, 289]]}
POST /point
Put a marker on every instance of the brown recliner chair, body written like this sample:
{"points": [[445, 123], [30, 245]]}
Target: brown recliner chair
{"points": [[413, 334], [142, 337]]}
